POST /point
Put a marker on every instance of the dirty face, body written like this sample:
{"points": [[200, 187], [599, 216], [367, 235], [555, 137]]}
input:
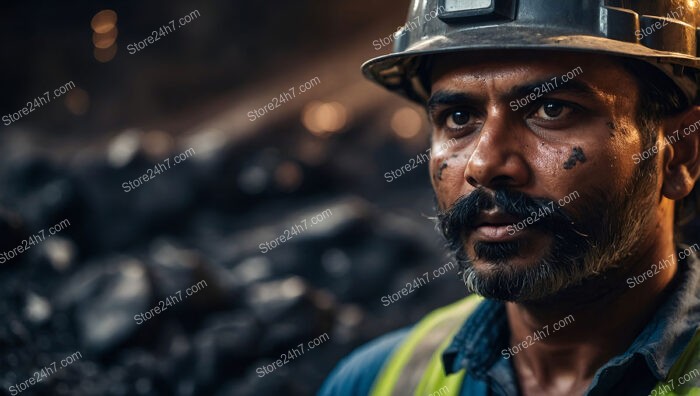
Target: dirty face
{"points": [[539, 191]]}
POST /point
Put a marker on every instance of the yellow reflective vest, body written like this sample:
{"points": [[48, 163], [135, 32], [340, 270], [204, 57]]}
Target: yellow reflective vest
{"points": [[415, 367]]}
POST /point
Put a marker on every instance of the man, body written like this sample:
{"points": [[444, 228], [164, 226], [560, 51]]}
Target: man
{"points": [[577, 156]]}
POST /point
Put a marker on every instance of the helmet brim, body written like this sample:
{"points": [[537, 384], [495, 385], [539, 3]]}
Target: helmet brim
{"points": [[399, 72]]}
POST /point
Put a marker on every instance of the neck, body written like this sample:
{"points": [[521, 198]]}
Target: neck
{"points": [[577, 335]]}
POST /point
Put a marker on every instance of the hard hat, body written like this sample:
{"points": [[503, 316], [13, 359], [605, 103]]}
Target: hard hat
{"points": [[661, 32]]}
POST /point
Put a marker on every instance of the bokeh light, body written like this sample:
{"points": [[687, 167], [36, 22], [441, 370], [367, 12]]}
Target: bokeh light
{"points": [[324, 118], [104, 21], [406, 122]]}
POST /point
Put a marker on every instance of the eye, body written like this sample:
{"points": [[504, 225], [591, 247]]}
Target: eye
{"points": [[457, 119], [552, 111]]}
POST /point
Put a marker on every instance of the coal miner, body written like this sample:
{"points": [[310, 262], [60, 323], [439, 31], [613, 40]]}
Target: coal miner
{"points": [[576, 159]]}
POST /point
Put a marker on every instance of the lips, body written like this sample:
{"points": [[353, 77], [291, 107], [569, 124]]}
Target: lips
{"points": [[493, 226], [495, 218]]}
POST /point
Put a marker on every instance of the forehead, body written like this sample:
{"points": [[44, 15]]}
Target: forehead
{"points": [[476, 69]]}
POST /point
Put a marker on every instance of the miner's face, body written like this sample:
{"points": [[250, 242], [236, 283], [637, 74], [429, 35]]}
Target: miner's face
{"points": [[533, 169]]}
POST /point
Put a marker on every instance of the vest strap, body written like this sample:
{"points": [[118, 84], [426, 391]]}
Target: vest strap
{"points": [[684, 377], [406, 371]]}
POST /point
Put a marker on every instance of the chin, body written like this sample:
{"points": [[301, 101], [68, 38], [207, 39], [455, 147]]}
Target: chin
{"points": [[516, 271], [521, 252], [509, 266]]}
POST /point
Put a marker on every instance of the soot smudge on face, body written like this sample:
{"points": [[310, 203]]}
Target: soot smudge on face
{"points": [[611, 125], [577, 155], [443, 166]]}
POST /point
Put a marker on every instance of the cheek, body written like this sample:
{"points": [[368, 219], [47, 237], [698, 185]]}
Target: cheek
{"points": [[611, 160], [624, 148], [447, 176], [584, 164]]}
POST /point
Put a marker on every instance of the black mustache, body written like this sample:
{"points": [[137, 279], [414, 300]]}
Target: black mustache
{"points": [[463, 214]]}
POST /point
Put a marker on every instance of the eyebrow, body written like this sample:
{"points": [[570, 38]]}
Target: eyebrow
{"points": [[572, 86], [450, 98]]}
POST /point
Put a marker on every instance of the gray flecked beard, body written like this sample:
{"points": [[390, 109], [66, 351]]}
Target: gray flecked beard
{"points": [[590, 248]]}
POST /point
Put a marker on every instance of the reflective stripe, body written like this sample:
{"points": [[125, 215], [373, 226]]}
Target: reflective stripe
{"points": [[686, 369], [419, 354], [434, 380]]}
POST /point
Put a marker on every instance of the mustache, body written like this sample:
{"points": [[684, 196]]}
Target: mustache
{"points": [[463, 214]]}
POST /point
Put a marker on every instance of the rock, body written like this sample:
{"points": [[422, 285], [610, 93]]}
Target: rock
{"points": [[37, 309], [224, 345], [13, 231], [56, 255], [290, 311], [105, 300], [252, 270], [43, 194], [175, 270], [271, 300]]}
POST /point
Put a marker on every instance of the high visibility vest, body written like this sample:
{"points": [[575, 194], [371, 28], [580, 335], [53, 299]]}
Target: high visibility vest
{"points": [[415, 367]]}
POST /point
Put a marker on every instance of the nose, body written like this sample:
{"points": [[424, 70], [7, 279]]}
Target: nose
{"points": [[497, 160]]}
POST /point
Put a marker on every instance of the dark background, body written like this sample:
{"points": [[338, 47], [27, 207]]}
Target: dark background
{"points": [[204, 219]]}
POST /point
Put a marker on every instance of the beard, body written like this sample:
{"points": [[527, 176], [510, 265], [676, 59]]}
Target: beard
{"points": [[588, 240]]}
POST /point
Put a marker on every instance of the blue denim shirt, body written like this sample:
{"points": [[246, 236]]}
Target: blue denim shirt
{"points": [[478, 345]]}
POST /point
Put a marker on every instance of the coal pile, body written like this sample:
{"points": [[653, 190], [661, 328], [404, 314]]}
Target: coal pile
{"points": [[201, 223]]}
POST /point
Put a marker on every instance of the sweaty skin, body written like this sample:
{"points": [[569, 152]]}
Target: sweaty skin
{"points": [[524, 150]]}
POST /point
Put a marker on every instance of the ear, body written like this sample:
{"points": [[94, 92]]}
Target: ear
{"points": [[682, 160]]}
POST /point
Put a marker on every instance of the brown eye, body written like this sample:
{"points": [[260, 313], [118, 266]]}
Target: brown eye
{"points": [[552, 110], [457, 119]]}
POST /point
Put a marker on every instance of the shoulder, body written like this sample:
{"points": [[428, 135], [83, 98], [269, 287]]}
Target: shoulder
{"points": [[355, 374]]}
